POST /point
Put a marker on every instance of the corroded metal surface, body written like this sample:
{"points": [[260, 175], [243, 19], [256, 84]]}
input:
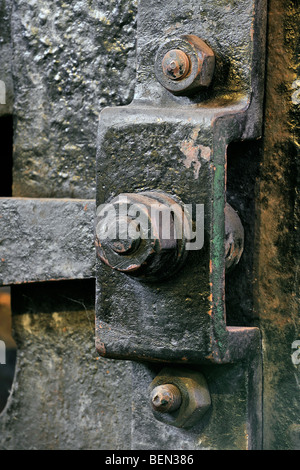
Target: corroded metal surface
{"points": [[6, 104], [69, 60], [57, 87], [184, 65], [46, 239], [165, 398], [233, 422], [178, 145], [195, 397], [61, 397], [276, 252], [175, 64], [148, 242]]}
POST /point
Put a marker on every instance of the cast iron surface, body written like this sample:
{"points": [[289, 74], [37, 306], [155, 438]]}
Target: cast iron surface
{"points": [[178, 145], [232, 422], [6, 57], [69, 60], [97, 412], [276, 257], [62, 394], [46, 239]]}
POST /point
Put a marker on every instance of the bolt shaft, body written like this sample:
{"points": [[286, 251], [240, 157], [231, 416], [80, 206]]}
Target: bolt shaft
{"points": [[165, 398], [175, 64]]}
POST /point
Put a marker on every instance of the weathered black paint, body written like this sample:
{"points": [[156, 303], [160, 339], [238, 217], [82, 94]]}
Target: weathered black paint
{"points": [[46, 239], [70, 59], [166, 143], [66, 408]]}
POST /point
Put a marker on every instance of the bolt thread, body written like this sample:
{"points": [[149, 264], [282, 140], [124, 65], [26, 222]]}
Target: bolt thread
{"points": [[165, 398]]}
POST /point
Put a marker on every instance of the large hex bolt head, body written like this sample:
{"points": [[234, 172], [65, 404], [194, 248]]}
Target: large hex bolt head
{"points": [[186, 395], [143, 234], [184, 65]]}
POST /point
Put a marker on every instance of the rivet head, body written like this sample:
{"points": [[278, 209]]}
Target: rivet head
{"points": [[175, 64]]}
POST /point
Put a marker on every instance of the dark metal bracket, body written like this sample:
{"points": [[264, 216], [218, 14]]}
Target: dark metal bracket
{"points": [[173, 139]]}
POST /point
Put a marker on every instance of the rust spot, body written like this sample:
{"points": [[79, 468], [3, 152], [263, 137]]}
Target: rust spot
{"points": [[133, 267], [175, 64], [192, 152], [100, 347], [210, 358]]}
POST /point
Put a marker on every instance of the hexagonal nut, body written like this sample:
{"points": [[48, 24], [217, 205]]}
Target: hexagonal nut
{"points": [[195, 396], [140, 246], [201, 65]]}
